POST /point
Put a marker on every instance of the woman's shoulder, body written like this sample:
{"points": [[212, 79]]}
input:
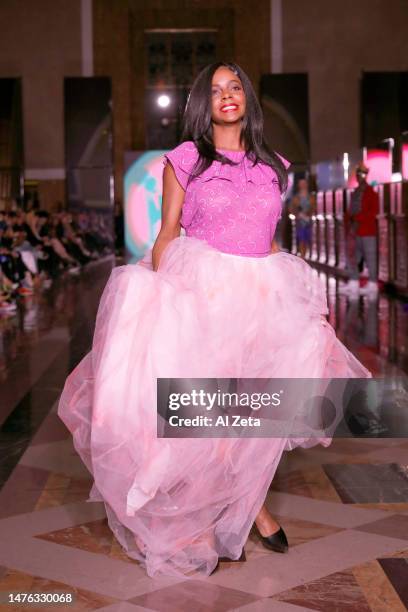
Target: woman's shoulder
{"points": [[185, 151], [263, 172], [182, 158], [284, 161]]}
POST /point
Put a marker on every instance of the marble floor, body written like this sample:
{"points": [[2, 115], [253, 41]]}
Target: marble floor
{"points": [[344, 508]]}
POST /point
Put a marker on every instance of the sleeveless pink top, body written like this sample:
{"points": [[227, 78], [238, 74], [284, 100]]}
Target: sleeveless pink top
{"points": [[235, 209]]}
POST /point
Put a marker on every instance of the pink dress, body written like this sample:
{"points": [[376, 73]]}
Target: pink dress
{"points": [[219, 306]]}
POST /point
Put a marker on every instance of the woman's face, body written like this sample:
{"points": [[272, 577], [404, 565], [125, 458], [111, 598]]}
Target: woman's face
{"points": [[228, 101]]}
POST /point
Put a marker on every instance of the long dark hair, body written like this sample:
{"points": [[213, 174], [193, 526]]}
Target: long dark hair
{"points": [[197, 125]]}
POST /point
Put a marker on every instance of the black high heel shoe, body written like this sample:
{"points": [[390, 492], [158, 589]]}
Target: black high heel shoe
{"points": [[277, 541], [215, 568], [242, 558]]}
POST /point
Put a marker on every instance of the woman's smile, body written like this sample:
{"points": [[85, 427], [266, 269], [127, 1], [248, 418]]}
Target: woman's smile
{"points": [[229, 107]]}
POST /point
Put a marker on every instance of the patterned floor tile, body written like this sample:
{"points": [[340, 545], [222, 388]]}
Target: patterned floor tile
{"points": [[58, 457], [51, 430], [22, 490], [378, 590], [268, 605], [400, 554], [78, 490], [124, 606], [62, 489], [297, 531], [397, 573], [365, 483], [394, 526], [84, 600], [293, 482], [355, 446], [320, 511], [271, 575], [97, 537], [339, 592], [54, 491], [94, 536], [396, 454], [312, 482], [394, 508], [194, 595]]}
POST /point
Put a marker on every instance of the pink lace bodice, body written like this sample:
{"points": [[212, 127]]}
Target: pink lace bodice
{"points": [[233, 208]]}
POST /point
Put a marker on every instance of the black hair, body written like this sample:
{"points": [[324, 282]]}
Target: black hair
{"points": [[197, 125]]}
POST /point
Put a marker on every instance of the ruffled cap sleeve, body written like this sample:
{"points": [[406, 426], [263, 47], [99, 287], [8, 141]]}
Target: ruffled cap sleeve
{"points": [[285, 162], [182, 159]]}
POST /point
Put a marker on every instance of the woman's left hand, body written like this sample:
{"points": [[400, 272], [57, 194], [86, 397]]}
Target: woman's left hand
{"points": [[274, 247]]}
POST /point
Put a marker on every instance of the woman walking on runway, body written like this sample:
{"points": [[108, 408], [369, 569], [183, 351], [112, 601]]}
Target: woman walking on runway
{"points": [[214, 303]]}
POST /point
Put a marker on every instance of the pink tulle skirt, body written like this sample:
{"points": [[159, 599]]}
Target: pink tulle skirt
{"points": [[176, 505]]}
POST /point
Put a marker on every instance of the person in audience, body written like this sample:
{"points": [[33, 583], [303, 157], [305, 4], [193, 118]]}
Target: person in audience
{"points": [[303, 206], [37, 246], [361, 235], [12, 265]]}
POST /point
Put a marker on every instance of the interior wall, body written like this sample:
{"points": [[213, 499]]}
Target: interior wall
{"points": [[334, 42], [41, 44], [119, 52], [331, 41]]}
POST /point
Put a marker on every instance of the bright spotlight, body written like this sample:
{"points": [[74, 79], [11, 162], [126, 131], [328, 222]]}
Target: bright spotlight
{"points": [[163, 101], [346, 162]]}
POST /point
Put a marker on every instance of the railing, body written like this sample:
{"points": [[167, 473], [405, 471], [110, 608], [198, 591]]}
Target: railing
{"points": [[328, 246]]}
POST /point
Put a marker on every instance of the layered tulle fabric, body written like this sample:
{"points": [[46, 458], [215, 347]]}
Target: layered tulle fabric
{"points": [[178, 504]]}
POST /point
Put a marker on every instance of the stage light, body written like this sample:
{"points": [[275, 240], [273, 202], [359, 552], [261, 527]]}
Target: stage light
{"points": [[163, 101], [346, 167], [346, 162]]}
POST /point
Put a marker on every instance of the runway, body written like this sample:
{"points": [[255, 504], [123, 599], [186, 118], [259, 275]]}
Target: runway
{"points": [[344, 508]]}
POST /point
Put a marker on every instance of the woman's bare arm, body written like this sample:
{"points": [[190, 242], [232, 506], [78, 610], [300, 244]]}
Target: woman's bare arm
{"points": [[173, 198]]}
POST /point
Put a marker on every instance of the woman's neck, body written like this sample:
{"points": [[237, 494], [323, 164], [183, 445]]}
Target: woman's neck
{"points": [[228, 149], [227, 138]]}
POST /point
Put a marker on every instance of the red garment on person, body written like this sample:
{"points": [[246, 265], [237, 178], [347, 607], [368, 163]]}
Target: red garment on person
{"points": [[367, 217]]}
